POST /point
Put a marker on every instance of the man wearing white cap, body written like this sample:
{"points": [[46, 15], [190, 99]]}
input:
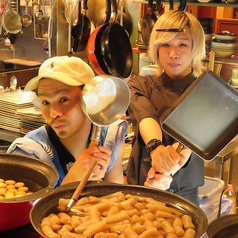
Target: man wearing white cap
{"points": [[65, 139]]}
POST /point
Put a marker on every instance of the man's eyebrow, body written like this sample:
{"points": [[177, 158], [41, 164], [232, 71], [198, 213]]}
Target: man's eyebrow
{"points": [[57, 92]]}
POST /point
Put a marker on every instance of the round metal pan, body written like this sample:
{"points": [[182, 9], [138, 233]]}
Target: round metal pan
{"points": [[47, 205]]}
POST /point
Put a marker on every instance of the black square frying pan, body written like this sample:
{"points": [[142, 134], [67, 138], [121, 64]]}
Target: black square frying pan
{"points": [[205, 117]]}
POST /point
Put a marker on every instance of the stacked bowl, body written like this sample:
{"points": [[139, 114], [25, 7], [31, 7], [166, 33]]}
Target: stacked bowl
{"points": [[224, 44]]}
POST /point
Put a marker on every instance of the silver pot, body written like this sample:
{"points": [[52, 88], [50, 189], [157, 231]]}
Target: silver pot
{"points": [[105, 99]]}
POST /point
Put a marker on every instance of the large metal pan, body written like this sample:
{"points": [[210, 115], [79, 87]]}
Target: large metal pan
{"points": [[48, 204], [205, 117], [224, 227], [37, 175]]}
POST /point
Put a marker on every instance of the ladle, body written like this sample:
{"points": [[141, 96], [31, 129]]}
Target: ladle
{"points": [[13, 83], [39, 13], [26, 19]]}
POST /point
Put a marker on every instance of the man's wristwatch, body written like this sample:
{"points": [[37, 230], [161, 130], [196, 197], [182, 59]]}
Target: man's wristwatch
{"points": [[153, 144]]}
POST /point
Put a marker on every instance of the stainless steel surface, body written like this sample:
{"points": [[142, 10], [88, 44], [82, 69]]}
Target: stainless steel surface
{"points": [[105, 99], [205, 117]]}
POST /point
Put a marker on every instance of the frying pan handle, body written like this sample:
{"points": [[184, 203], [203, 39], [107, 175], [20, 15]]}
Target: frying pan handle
{"points": [[149, 5], [108, 11], [85, 5], [114, 10], [158, 4], [180, 148], [182, 5], [171, 4]]}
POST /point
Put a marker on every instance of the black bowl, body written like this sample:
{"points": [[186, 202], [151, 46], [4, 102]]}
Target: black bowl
{"points": [[224, 227]]}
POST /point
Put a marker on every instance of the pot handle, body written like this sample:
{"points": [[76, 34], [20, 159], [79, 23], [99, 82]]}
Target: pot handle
{"points": [[114, 10], [171, 4], [182, 5], [108, 11], [159, 7]]}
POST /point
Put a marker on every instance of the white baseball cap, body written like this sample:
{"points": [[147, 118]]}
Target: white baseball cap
{"points": [[72, 71]]}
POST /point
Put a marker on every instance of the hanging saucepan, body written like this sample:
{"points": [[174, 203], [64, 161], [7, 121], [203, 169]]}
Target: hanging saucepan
{"points": [[147, 23], [105, 99], [93, 46], [116, 49], [26, 19], [11, 21]]}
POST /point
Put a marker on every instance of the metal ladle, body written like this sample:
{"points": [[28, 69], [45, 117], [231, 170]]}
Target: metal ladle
{"points": [[26, 19], [39, 13]]}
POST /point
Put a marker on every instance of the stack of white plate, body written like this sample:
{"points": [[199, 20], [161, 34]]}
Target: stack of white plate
{"points": [[10, 102], [224, 45]]}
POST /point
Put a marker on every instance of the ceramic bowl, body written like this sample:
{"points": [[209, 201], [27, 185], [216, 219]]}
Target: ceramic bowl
{"points": [[224, 45], [224, 54], [221, 36]]}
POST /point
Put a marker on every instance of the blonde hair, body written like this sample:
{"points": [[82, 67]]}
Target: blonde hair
{"points": [[180, 20]]}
